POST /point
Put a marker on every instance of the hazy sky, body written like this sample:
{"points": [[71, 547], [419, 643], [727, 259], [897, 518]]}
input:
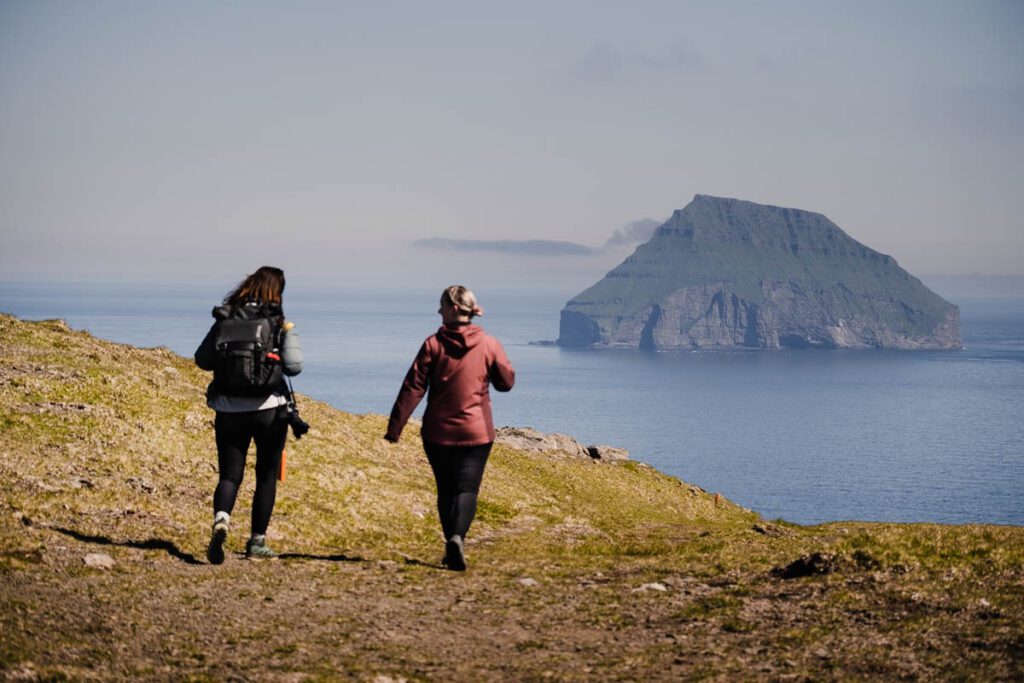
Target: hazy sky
{"points": [[210, 137]]}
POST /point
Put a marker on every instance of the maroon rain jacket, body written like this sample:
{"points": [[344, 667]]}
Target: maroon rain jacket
{"points": [[456, 365]]}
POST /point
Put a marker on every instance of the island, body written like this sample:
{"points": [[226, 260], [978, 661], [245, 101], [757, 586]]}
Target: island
{"points": [[730, 274]]}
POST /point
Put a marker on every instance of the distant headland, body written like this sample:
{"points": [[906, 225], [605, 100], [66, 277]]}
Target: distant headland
{"points": [[730, 274]]}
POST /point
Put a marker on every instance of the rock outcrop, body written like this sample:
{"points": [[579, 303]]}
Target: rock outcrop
{"points": [[531, 440], [724, 273]]}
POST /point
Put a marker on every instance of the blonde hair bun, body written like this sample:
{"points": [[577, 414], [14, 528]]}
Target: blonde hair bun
{"points": [[464, 300]]}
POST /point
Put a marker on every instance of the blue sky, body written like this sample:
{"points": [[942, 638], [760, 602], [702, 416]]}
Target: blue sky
{"points": [[181, 138]]}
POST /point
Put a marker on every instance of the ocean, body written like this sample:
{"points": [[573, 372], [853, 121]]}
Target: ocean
{"points": [[806, 436]]}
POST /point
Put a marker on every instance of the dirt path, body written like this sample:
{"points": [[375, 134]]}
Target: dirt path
{"points": [[164, 614]]}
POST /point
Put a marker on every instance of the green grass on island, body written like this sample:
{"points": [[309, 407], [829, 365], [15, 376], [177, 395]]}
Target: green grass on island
{"points": [[578, 570]]}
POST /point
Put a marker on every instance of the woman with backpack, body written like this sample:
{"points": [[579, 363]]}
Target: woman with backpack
{"points": [[250, 348], [454, 368]]}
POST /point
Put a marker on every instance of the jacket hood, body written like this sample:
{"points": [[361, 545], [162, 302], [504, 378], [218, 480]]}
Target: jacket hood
{"points": [[458, 340]]}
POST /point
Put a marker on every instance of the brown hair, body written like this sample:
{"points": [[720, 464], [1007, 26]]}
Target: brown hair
{"points": [[463, 299], [266, 285]]}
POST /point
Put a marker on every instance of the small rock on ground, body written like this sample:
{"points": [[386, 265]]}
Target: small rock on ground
{"points": [[99, 561], [660, 587]]}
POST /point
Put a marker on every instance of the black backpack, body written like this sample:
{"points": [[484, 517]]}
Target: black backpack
{"points": [[246, 339]]}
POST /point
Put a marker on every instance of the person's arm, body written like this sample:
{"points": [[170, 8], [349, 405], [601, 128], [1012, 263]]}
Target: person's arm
{"points": [[291, 352], [500, 371], [206, 355], [411, 393]]}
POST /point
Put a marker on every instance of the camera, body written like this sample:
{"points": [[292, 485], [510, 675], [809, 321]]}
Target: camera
{"points": [[298, 425]]}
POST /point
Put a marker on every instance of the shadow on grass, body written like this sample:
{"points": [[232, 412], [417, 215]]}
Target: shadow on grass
{"points": [[429, 565], [174, 551], [149, 544], [339, 557]]}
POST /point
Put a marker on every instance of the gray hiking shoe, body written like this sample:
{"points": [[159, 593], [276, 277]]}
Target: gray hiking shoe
{"points": [[256, 549], [454, 557], [215, 551]]}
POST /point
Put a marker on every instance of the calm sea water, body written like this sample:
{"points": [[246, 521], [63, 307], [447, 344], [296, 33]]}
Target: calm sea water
{"points": [[808, 436]]}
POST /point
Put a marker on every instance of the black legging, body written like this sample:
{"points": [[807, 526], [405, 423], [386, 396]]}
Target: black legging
{"points": [[234, 432], [458, 471]]}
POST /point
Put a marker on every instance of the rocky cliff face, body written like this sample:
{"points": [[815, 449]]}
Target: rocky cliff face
{"points": [[723, 273]]}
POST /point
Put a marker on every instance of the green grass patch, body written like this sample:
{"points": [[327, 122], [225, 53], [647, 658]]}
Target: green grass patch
{"points": [[490, 512], [717, 605]]}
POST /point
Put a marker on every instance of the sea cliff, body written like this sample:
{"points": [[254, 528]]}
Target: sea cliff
{"points": [[723, 274]]}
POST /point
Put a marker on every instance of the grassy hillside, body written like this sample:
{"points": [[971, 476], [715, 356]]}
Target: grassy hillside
{"points": [[579, 570]]}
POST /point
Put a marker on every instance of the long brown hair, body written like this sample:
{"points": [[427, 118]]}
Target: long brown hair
{"points": [[266, 285]]}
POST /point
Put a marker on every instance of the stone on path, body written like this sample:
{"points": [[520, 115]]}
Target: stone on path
{"points": [[99, 561], [660, 587]]}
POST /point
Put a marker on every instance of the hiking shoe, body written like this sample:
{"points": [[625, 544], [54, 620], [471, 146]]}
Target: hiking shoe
{"points": [[215, 551], [453, 555], [256, 549]]}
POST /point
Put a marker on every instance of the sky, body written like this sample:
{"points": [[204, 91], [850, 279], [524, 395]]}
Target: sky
{"points": [[379, 142]]}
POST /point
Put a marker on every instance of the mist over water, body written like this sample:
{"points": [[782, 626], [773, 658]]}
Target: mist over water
{"points": [[808, 436]]}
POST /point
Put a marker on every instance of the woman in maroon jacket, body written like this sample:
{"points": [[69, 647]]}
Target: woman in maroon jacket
{"points": [[455, 366]]}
